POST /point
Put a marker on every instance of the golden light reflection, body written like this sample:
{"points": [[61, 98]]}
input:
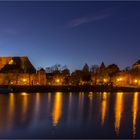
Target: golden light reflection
{"points": [[118, 111], [24, 105], [70, 99], [49, 98], [81, 100], [134, 112], [11, 110], [37, 102], [24, 94], [49, 102], [90, 95], [37, 106], [57, 109], [103, 108]]}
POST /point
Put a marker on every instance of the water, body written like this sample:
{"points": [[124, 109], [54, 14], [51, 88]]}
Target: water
{"points": [[70, 115]]}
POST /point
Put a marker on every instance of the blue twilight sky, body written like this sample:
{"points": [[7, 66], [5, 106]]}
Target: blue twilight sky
{"points": [[71, 33]]}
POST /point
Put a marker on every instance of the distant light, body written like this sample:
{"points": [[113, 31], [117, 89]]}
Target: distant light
{"points": [[105, 80], [57, 80], [135, 81], [24, 93], [119, 79], [24, 80], [11, 62]]}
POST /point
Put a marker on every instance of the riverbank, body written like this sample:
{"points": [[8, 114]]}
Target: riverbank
{"points": [[95, 88]]}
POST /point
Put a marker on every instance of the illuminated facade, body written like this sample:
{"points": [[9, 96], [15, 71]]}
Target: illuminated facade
{"points": [[124, 78], [20, 71]]}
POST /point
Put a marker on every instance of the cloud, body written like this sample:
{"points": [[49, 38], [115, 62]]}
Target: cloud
{"points": [[86, 19]]}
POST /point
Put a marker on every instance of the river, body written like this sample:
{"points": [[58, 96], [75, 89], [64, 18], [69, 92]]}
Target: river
{"points": [[70, 115]]}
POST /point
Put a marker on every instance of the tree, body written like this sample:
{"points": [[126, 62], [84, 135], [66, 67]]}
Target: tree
{"points": [[76, 76], [102, 67], [65, 72], [85, 68], [112, 70], [86, 75], [94, 69]]}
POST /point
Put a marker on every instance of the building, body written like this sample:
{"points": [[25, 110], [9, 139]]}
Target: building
{"points": [[136, 65], [20, 71]]}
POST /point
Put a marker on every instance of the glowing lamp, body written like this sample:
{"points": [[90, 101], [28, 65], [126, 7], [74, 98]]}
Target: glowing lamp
{"points": [[57, 80], [24, 80]]}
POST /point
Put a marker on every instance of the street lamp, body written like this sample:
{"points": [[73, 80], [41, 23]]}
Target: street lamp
{"points": [[135, 81], [57, 80]]}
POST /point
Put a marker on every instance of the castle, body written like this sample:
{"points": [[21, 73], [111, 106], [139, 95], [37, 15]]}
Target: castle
{"points": [[20, 71]]}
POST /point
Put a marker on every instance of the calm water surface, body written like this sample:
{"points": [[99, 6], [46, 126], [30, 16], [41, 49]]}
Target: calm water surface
{"points": [[70, 115]]}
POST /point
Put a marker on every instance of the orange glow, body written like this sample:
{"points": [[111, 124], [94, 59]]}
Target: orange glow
{"points": [[119, 79], [70, 99], [135, 81], [81, 99], [134, 111], [49, 97], [80, 103], [24, 94], [12, 102], [90, 95], [37, 106], [57, 80], [103, 108], [57, 109], [11, 110], [24, 106], [118, 111], [37, 102], [24, 80]]}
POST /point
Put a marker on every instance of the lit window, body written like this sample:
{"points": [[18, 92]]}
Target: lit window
{"points": [[11, 62]]}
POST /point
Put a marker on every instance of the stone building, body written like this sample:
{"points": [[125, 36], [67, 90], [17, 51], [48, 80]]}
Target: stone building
{"points": [[20, 71], [136, 65], [127, 78]]}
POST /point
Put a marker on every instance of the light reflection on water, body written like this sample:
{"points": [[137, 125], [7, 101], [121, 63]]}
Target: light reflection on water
{"points": [[11, 110], [118, 111], [135, 110], [74, 115], [57, 108], [103, 108]]}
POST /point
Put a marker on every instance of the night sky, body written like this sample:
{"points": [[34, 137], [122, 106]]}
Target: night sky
{"points": [[71, 33]]}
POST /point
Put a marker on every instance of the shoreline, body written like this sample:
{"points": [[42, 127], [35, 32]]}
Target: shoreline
{"points": [[95, 88]]}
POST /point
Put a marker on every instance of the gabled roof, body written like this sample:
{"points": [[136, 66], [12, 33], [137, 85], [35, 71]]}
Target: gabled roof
{"points": [[137, 63], [16, 65]]}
